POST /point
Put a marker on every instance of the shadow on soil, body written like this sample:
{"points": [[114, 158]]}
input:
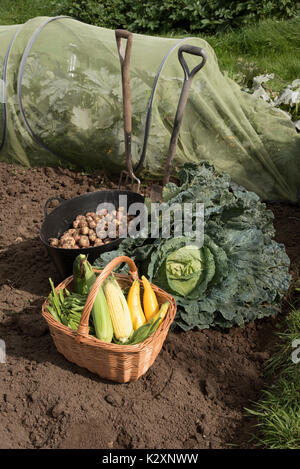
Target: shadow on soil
{"points": [[27, 266]]}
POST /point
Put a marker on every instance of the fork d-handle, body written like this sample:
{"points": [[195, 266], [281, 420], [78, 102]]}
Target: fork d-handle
{"points": [[187, 82], [125, 71]]}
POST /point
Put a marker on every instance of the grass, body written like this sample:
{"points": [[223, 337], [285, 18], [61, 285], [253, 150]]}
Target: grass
{"points": [[19, 11], [278, 411], [271, 46]]}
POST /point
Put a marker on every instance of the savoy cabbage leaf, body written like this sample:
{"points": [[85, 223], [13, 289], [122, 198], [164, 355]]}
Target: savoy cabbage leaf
{"points": [[239, 274]]}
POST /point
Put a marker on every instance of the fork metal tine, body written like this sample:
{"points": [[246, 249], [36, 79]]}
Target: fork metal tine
{"points": [[129, 178]]}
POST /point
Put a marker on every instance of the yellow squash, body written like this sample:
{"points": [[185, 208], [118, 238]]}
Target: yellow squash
{"points": [[135, 307], [150, 302]]}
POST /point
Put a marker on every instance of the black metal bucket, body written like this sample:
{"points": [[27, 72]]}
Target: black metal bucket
{"points": [[62, 217]]}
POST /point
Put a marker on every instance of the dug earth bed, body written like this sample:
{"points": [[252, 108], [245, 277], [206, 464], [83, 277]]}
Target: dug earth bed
{"points": [[193, 396]]}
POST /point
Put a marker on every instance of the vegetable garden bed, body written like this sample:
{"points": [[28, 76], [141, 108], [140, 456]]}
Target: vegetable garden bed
{"points": [[198, 386]]}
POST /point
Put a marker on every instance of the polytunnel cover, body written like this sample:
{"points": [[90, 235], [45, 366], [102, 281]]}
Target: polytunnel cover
{"points": [[61, 102]]}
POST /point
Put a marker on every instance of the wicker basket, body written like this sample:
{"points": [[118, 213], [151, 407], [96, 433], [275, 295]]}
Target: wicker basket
{"points": [[120, 363]]}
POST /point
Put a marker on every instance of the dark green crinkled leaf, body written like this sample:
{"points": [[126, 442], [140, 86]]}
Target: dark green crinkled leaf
{"points": [[239, 275]]}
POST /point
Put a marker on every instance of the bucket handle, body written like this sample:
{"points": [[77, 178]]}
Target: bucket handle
{"points": [[60, 199]]}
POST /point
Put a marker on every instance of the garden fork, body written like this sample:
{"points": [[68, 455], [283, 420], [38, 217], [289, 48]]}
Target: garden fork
{"points": [[156, 189], [125, 72]]}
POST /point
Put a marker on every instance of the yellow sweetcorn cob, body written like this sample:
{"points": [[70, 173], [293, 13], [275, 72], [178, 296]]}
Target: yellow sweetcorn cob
{"points": [[118, 309]]}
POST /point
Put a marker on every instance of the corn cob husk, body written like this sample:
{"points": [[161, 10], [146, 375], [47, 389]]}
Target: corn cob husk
{"points": [[118, 309], [100, 314]]}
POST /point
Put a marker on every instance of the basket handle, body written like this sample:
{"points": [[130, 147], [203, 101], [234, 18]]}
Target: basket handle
{"points": [[83, 328]]}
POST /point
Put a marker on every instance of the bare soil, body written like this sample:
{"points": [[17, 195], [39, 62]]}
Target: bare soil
{"points": [[192, 397]]}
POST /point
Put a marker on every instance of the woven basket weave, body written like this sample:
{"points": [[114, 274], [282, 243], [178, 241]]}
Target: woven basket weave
{"points": [[120, 363]]}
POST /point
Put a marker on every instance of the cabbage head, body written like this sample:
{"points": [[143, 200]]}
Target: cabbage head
{"points": [[239, 274]]}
